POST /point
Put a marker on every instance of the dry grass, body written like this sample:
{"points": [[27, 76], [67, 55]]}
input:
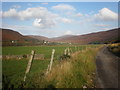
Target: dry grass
{"points": [[115, 48], [77, 72]]}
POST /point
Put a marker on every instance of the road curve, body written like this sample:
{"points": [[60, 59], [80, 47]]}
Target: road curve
{"points": [[107, 69]]}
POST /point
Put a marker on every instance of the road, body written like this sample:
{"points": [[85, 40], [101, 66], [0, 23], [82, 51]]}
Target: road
{"points": [[107, 69]]}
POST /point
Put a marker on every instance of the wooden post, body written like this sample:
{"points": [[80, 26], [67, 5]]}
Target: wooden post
{"points": [[65, 52], [52, 57], [29, 64], [68, 51], [50, 65]]}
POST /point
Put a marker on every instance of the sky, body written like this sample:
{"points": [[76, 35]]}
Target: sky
{"points": [[53, 19]]}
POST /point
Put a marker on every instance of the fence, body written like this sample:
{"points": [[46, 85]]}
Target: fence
{"points": [[67, 53], [19, 57]]}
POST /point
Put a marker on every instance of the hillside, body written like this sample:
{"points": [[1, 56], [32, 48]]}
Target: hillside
{"points": [[38, 37], [8, 34], [10, 37], [92, 38], [98, 37]]}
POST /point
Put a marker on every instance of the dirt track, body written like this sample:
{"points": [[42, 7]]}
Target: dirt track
{"points": [[107, 69]]}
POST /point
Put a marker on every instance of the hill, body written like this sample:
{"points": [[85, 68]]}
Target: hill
{"points": [[39, 37], [9, 37], [92, 38], [8, 34]]}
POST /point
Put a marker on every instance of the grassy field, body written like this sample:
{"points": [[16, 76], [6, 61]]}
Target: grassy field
{"points": [[46, 50], [13, 70]]}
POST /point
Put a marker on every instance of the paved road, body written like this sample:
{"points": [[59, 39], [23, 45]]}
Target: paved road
{"points": [[107, 69]]}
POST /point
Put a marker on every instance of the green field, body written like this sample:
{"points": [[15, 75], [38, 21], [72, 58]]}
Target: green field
{"points": [[14, 70], [46, 50]]}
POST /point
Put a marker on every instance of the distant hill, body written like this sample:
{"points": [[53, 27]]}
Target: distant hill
{"points": [[8, 34], [61, 38], [10, 37], [38, 37], [92, 38]]}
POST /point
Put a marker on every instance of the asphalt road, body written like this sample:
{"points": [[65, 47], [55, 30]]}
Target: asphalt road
{"points": [[107, 69]]}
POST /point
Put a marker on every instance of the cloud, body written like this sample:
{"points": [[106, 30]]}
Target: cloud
{"points": [[63, 7], [102, 25], [66, 20], [44, 3], [16, 6], [79, 14], [11, 13], [68, 32], [42, 17], [16, 27], [43, 23], [29, 13], [29, 30], [106, 14], [47, 18]]}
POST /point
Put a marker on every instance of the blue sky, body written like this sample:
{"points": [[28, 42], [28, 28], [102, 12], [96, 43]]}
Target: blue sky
{"points": [[52, 19]]}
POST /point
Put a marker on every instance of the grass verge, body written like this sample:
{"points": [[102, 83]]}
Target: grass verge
{"points": [[115, 49], [77, 72]]}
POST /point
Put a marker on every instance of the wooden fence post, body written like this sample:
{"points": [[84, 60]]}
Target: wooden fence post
{"points": [[68, 51], [51, 62], [52, 57], [29, 64], [65, 52]]}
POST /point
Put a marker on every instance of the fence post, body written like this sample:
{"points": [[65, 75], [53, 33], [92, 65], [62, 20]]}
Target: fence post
{"points": [[65, 52], [29, 64], [50, 65], [68, 51], [52, 57]]}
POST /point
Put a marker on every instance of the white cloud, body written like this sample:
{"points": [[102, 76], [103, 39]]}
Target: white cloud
{"points": [[16, 6], [66, 20], [62, 7], [37, 23], [43, 17], [79, 14], [11, 13], [44, 3], [29, 13], [68, 32], [106, 14], [29, 30], [48, 18], [102, 25], [43, 23]]}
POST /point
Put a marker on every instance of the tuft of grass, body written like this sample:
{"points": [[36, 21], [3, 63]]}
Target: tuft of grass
{"points": [[115, 48]]}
